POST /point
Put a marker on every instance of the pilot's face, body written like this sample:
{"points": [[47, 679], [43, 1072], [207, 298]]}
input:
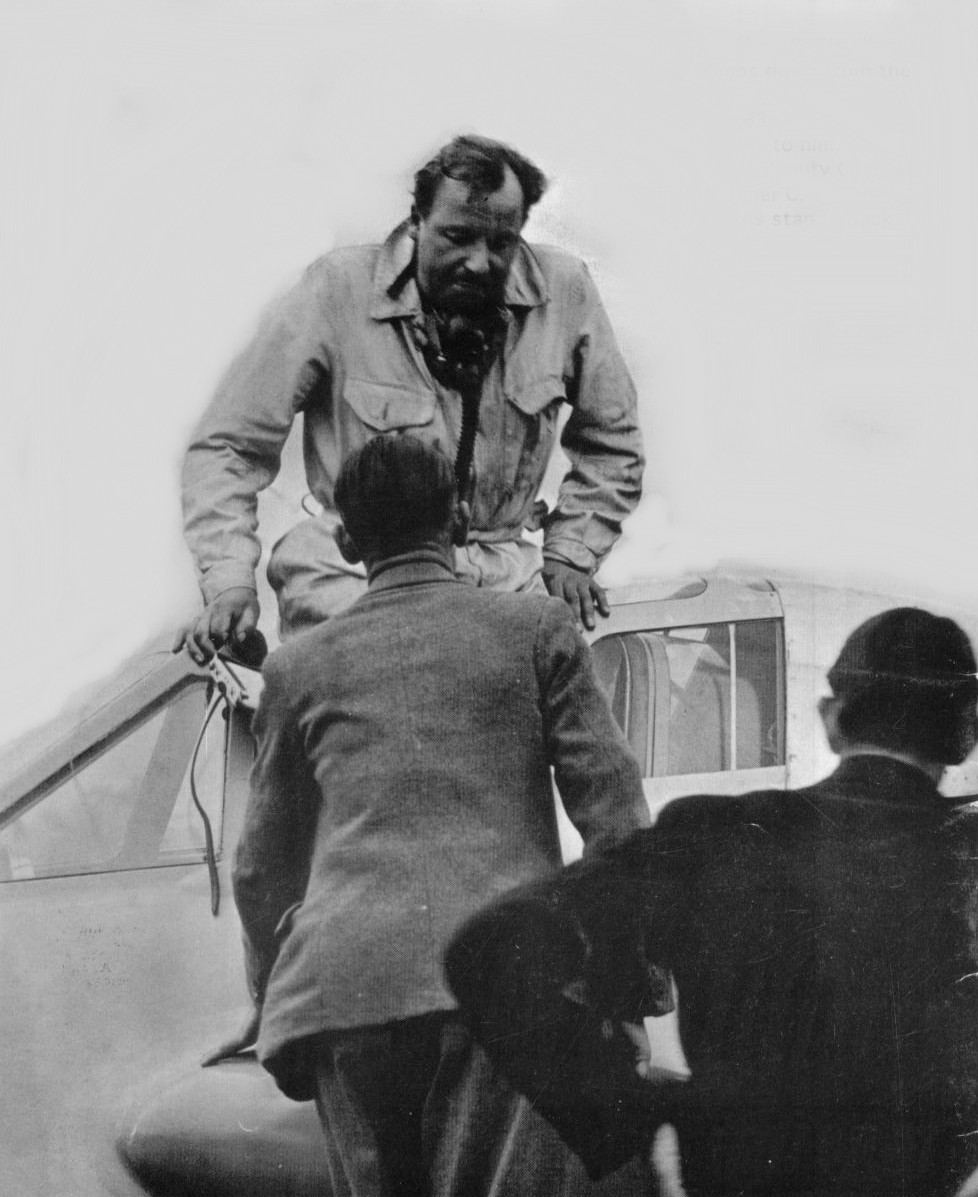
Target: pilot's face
{"points": [[466, 245]]}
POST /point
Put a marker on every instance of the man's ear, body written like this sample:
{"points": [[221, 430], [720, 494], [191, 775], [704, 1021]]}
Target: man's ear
{"points": [[829, 707], [460, 523], [413, 221], [344, 542]]}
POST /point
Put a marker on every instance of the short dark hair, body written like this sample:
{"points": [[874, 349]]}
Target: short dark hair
{"points": [[907, 682], [480, 162], [395, 492]]}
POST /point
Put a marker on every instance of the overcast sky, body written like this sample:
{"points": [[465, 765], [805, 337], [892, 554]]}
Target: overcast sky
{"points": [[778, 200]]}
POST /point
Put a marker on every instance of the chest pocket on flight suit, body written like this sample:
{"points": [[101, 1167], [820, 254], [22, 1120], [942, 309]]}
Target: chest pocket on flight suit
{"points": [[530, 425], [384, 408], [304, 567]]}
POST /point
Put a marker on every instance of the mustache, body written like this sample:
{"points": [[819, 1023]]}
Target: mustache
{"points": [[483, 290]]}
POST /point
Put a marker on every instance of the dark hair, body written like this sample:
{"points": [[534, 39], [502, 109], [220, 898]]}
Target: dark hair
{"points": [[395, 492], [480, 162], [907, 682]]}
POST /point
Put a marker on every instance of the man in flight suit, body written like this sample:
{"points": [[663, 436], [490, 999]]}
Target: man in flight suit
{"points": [[456, 330]]}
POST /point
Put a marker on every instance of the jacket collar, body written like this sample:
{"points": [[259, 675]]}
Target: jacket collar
{"points": [[410, 569], [888, 779], [395, 293]]}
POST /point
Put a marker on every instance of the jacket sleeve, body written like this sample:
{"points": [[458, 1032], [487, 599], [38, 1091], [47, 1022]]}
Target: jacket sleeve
{"points": [[273, 854], [236, 449], [543, 977], [598, 777], [601, 438]]}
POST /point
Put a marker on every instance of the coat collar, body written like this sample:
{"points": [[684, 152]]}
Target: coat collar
{"points": [[888, 779], [410, 569], [395, 293]]}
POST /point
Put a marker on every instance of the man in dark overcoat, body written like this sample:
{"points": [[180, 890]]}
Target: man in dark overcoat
{"points": [[402, 780], [823, 945]]}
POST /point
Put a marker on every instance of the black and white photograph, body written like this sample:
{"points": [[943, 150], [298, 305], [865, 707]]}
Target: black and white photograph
{"points": [[490, 700]]}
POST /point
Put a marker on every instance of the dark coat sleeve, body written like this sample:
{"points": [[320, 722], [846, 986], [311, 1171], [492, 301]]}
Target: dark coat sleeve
{"points": [[544, 977]]}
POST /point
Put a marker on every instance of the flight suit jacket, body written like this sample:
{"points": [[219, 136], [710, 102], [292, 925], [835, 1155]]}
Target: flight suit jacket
{"points": [[340, 349], [402, 780], [823, 944]]}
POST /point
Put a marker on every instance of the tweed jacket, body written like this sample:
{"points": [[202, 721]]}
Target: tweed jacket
{"points": [[823, 946], [341, 349], [402, 779]]}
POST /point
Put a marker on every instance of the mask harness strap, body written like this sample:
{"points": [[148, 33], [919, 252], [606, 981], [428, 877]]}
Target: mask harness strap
{"points": [[459, 352]]}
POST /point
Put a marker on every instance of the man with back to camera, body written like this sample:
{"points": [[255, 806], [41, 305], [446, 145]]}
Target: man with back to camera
{"points": [[402, 779], [459, 331], [823, 943]]}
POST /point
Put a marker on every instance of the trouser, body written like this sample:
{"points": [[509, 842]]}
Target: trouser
{"points": [[414, 1109], [312, 582]]}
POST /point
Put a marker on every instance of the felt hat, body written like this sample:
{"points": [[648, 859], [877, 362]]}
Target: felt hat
{"points": [[905, 645]]}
